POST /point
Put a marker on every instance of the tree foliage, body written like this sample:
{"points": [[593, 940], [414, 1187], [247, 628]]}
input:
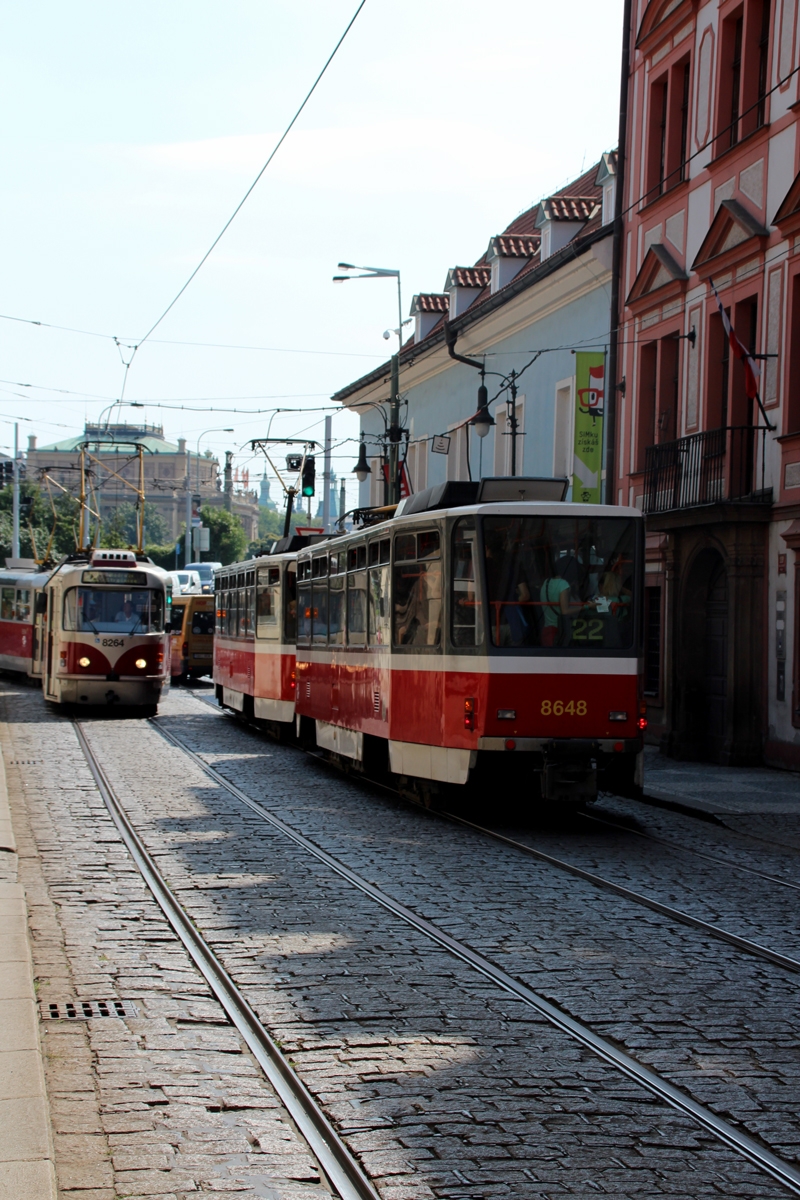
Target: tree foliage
{"points": [[120, 532], [228, 540], [62, 525]]}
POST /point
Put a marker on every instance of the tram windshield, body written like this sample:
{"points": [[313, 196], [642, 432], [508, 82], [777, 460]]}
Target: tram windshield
{"points": [[561, 582], [92, 610]]}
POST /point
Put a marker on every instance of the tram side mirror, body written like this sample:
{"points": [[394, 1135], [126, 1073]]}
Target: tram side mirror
{"points": [[40, 607]]}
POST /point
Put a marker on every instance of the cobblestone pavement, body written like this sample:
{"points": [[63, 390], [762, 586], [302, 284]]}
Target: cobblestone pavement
{"points": [[443, 1085], [165, 1105]]}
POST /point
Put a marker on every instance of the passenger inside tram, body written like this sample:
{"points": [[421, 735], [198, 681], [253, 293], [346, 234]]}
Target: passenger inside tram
{"points": [[561, 582], [95, 610]]}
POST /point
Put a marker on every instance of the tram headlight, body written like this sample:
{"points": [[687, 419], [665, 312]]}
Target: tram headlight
{"points": [[84, 662], [141, 663]]}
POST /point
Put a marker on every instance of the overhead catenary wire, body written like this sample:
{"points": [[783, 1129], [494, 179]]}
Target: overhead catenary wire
{"points": [[252, 187]]}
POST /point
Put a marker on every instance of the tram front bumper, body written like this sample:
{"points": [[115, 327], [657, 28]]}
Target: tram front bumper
{"points": [[104, 691]]}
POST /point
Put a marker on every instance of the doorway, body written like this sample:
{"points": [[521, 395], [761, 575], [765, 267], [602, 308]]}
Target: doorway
{"points": [[702, 662]]}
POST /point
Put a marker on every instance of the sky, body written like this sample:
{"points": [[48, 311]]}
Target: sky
{"points": [[129, 133]]}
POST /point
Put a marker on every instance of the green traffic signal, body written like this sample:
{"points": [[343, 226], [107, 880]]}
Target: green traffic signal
{"points": [[309, 475]]}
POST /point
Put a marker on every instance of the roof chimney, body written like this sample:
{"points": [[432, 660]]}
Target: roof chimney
{"points": [[31, 442], [181, 445]]}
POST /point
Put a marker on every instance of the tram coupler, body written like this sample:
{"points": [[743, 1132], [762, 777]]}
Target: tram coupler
{"points": [[569, 772]]}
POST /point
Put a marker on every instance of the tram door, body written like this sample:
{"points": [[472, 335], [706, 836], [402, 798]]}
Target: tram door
{"points": [[52, 606], [39, 625]]}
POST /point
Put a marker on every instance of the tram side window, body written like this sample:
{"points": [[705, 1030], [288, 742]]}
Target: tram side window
{"points": [[290, 616], [247, 600], [319, 617], [23, 604], [7, 609], [466, 620], [417, 591], [268, 602], [304, 612], [337, 615], [379, 602], [232, 614], [357, 607]]}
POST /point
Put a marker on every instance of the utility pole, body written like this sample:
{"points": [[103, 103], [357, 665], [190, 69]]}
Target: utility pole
{"points": [[326, 478], [342, 502], [15, 526], [187, 483], [512, 421]]}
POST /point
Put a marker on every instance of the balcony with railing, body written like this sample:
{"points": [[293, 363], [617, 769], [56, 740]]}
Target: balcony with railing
{"points": [[718, 466]]}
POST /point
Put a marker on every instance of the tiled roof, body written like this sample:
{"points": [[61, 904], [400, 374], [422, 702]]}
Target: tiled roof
{"points": [[515, 246], [469, 277], [569, 208], [431, 302]]}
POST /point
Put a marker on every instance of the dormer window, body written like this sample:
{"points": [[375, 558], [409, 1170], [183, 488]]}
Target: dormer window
{"points": [[463, 285], [508, 254], [561, 218], [427, 309]]}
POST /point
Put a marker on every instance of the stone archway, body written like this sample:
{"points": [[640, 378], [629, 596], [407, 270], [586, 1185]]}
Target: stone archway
{"points": [[702, 663]]}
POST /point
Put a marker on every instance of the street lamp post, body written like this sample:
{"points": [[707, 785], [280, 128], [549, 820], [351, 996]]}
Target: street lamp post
{"points": [[394, 410], [188, 558]]}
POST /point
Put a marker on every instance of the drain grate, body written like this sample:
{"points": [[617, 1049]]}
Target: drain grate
{"points": [[84, 1010]]}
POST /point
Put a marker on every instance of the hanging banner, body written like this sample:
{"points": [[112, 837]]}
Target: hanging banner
{"points": [[590, 375]]}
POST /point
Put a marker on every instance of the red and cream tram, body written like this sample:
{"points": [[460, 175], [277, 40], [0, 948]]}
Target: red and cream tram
{"points": [[478, 636], [254, 638], [107, 640], [21, 635], [473, 636]]}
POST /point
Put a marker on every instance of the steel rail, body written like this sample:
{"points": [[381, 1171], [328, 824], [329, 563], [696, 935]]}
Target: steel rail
{"points": [[675, 914], [679, 849], [755, 949], [342, 1169], [742, 1143]]}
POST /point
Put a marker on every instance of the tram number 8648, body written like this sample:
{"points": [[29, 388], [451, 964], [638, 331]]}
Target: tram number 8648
{"points": [[557, 708]]}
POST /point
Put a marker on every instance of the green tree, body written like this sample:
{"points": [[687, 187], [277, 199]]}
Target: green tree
{"points": [[62, 524], [120, 531], [227, 536]]}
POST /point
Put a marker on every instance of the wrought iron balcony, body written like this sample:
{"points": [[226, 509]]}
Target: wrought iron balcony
{"points": [[714, 467]]}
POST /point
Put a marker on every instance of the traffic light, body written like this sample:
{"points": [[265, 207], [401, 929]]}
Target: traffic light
{"points": [[294, 462], [308, 476], [6, 471], [25, 507]]}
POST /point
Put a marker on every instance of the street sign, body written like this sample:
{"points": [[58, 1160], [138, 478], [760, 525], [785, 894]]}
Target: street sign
{"points": [[201, 538], [440, 445]]}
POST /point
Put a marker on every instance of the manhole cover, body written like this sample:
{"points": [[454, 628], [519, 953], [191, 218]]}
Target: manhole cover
{"points": [[84, 1010]]}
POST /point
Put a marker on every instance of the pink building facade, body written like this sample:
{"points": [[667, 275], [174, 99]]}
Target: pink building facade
{"points": [[711, 198]]}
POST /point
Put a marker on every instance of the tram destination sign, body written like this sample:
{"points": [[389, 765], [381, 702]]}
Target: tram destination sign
{"points": [[118, 577]]}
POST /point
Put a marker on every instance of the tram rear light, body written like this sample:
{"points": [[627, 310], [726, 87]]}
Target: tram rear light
{"points": [[510, 744], [84, 662], [642, 708], [619, 747], [160, 657], [469, 713], [141, 663], [642, 723], [293, 679]]}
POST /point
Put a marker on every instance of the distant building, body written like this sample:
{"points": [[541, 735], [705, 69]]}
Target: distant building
{"points": [[112, 458], [264, 498]]}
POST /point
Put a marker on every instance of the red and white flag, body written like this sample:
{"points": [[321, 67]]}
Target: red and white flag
{"points": [[751, 370]]}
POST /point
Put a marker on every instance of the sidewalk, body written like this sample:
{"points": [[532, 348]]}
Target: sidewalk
{"points": [[721, 791], [27, 1169]]}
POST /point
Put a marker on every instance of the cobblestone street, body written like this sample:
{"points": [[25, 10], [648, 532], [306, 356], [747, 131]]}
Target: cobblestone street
{"points": [[439, 1081]]}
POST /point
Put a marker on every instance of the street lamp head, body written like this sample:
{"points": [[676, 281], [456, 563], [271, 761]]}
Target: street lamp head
{"points": [[340, 278], [483, 420], [346, 267], [362, 468]]}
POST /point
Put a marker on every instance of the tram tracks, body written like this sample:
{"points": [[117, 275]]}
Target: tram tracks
{"points": [[726, 1132], [341, 1168], [744, 945]]}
